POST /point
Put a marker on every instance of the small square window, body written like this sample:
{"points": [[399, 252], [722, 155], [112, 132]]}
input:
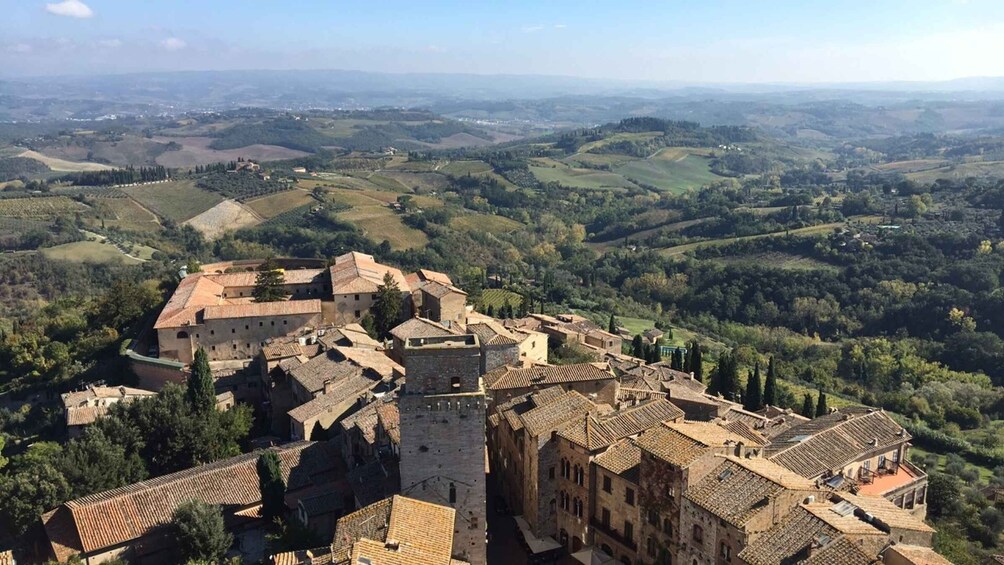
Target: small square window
{"points": [[233, 330], [607, 486], [357, 297]]}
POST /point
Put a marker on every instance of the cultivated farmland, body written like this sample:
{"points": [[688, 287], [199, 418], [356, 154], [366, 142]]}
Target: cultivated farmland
{"points": [[176, 200]]}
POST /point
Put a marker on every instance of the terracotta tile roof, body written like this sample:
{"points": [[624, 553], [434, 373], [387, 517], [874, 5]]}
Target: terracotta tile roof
{"points": [[193, 293], [737, 490], [918, 555], [328, 366], [595, 433], [281, 350], [434, 276], [369, 522], [841, 551], [886, 512], [247, 278], [439, 290], [389, 418], [86, 406], [351, 335], [554, 415], [371, 360], [303, 556], [622, 458], [830, 442], [680, 443], [114, 517], [356, 272], [397, 530], [493, 333], [843, 522], [374, 481], [340, 398], [365, 420], [788, 539], [420, 327], [544, 375], [741, 428], [262, 309], [736, 413]]}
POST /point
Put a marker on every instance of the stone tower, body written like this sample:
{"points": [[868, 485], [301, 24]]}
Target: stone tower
{"points": [[443, 435]]}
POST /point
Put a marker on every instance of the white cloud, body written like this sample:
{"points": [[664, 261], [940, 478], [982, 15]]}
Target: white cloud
{"points": [[70, 8], [532, 29], [20, 48], [110, 43], [560, 26], [173, 44]]}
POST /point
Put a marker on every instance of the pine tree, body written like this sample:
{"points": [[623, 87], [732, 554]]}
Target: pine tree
{"points": [[201, 391], [272, 487], [268, 283], [199, 533], [753, 400], [821, 409], [638, 347], [770, 386], [807, 409], [612, 324], [387, 307], [696, 361]]}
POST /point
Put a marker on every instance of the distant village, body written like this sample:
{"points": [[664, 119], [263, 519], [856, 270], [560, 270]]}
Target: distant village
{"points": [[454, 441]]}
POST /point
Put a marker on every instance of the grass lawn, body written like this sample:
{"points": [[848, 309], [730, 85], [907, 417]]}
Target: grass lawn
{"points": [[178, 200], [274, 204], [484, 223], [88, 252]]}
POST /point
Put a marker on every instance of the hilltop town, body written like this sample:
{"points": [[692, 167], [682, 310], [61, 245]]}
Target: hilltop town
{"points": [[451, 439]]}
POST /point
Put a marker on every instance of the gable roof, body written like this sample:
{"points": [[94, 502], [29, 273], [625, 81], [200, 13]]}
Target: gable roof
{"points": [[420, 327], [328, 366], [193, 293], [553, 415], [883, 510], [437, 289], [803, 527], [98, 521], [492, 333], [841, 551], [505, 378], [834, 440], [595, 433], [622, 458], [396, 530], [357, 273], [738, 488], [918, 555], [681, 443]]}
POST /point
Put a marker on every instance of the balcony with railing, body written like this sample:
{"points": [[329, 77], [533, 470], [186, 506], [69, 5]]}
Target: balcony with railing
{"points": [[891, 479], [614, 534]]}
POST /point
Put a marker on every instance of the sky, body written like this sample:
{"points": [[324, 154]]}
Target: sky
{"points": [[703, 42]]}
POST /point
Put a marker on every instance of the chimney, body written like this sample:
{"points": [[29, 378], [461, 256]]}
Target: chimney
{"points": [[329, 385]]}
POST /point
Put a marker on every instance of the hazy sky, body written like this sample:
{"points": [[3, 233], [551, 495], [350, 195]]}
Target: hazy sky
{"points": [[662, 40]]}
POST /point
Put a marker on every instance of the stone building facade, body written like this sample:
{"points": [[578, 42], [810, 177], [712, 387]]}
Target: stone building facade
{"points": [[442, 427]]}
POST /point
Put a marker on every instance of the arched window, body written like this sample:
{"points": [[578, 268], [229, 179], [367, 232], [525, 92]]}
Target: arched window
{"points": [[182, 335], [553, 505], [453, 493]]}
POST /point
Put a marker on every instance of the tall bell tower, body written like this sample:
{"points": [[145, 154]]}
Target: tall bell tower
{"points": [[442, 408]]}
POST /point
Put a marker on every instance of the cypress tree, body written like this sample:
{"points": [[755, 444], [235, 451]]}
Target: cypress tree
{"points": [[271, 486], [612, 324], [677, 360], [807, 409], [821, 409], [387, 307], [770, 386], [754, 396], [201, 391], [638, 347], [696, 361]]}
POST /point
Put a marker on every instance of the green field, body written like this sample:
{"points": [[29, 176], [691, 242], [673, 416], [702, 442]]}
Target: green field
{"points": [[677, 175], [275, 204], [549, 170], [811, 230], [780, 260], [461, 168], [988, 169], [484, 223], [122, 213], [177, 200], [89, 252], [380, 223]]}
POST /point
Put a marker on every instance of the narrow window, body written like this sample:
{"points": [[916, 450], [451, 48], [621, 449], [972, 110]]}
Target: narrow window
{"points": [[629, 497], [607, 486], [453, 493], [628, 531]]}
